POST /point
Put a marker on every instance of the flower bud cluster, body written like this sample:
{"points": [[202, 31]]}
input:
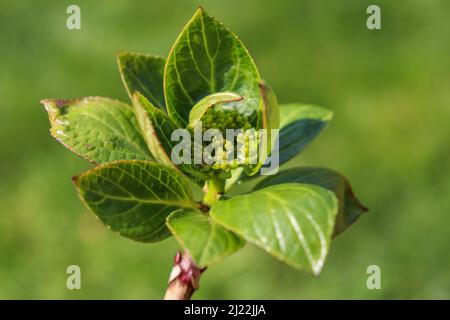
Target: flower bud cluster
{"points": [[228, 153]]}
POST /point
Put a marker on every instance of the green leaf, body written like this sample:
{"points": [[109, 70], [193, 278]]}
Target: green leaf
{"points": [[134, 198], [236, 174], [208, 58], [98, 129], [349, 206], [299, 125], [206, 241], [271, 110], [143, 73], [207, 102], [157, 128], [270, 120], [292, 222]]}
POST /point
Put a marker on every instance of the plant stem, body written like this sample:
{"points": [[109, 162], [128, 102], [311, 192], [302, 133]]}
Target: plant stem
{"points": [[185, 275], [184, 278]]}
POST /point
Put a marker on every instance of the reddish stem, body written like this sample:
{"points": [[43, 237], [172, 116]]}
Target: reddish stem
{"points": [[184, 278]]}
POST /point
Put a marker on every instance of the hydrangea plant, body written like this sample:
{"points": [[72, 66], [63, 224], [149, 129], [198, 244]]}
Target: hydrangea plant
{"points": [[139, 188]]}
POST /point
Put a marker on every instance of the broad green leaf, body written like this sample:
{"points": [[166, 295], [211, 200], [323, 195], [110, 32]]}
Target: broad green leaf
{"points": [[349, 206], [299, 125], [205, 59], [98, 129], [270, 120], [134, 198], [157, 128], [143, 73], [207, 102], [205, 240], [292, 222]]}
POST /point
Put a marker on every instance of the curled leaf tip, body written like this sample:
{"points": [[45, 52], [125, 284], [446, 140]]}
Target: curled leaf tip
{"points": [[262, 85], [237, 98], [43, 101], [75, 180], [57, 102], [136, 94]]}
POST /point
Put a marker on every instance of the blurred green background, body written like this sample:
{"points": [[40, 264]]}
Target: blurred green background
{"points": [[390, 136]]}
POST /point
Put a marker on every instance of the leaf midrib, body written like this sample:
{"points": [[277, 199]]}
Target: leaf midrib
{"points": [[185, 204]]}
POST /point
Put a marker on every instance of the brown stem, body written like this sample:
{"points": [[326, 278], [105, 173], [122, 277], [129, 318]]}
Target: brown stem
{"points": [[184, 278]]}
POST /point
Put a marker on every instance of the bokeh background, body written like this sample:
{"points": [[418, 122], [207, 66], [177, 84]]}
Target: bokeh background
{"points": [[390, 136]]}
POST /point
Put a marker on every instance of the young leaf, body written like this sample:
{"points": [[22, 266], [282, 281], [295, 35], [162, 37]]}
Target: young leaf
{"points": [[271, 110], [270, 120], [206, 241], [236, 174], [292, 222], [134, 198], [207, 102], [143, 73], [349, 206], [299, 125], [98, 129], [207, 58], [157, 128]]}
